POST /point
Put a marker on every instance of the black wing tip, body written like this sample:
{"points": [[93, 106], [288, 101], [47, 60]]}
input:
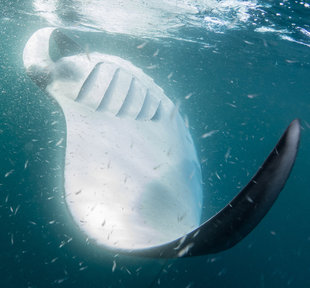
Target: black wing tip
{"points": [[293, 132], [235, 221]]}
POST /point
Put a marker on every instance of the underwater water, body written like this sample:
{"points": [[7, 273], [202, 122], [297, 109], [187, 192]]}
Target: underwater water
{"points": [[239, 71]]}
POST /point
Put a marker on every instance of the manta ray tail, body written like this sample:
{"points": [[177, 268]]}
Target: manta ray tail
{"points": [[244, 212]]}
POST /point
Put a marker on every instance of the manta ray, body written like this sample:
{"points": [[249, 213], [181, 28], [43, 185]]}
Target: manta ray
{"points": [[132, 177]]}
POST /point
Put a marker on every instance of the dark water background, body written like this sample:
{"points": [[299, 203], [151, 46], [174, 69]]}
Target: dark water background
{"points": [[246, 87]]}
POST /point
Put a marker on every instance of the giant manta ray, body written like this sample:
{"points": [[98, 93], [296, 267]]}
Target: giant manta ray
{"points": [[132, 177]]}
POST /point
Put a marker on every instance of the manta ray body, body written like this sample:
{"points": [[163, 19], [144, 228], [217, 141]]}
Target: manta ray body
{"points": [[132, 176]]}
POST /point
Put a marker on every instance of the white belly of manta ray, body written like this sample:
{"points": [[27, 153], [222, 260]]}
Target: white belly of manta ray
{"points": [[132, 177]]}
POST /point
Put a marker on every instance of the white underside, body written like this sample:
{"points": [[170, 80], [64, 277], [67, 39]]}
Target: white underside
{"points": [[132, 177]]}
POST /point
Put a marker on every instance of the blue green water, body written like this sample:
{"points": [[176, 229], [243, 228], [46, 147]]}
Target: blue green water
{"points": [[244, 79]]}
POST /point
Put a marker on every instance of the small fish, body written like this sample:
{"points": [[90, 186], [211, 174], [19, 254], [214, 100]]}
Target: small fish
{"points": [[54, 260], [156, 53], [248, 42], [16, 210], [63, 243], [227, 154], [156, 167], [60, 141], [196, 233], [208, 134], [83, 268], [217, 176], [252, 96], [142, 45], [170, 76], [188, 96], [185, 249], [8, 173], [150, 67], [59, 281], [128, 271], [114, 266], [249, 199], [232, 105]]}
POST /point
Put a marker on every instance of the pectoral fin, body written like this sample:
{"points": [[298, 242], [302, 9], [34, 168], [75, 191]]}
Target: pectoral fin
{"points": [[244, 212]]}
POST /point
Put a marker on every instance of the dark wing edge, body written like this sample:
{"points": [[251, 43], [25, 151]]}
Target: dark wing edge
{"points": [[244, 212]]}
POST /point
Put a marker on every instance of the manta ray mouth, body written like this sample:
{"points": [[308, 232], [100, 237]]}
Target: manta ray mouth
{"points": [[132, 176]]}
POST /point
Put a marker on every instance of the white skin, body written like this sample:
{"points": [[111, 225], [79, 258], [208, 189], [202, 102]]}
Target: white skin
{"points": [[132, 177]]}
